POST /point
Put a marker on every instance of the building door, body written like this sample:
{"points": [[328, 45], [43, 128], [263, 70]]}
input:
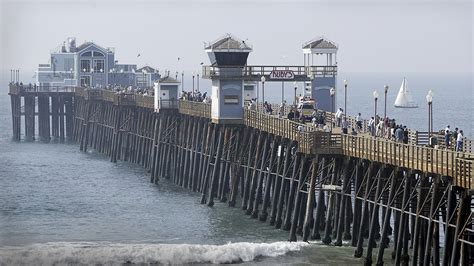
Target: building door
{"points": [[165, 99], [85, 81]]}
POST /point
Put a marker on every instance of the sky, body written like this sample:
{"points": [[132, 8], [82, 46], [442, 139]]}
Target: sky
{"points": [[373, 36]]}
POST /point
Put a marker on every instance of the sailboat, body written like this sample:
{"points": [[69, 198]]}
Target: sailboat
{"points": [[404, 99]]}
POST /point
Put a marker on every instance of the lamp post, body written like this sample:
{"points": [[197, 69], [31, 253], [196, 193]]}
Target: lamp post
{"points": [[182, 82], [345, 98], [385, 87], [197, 80], [262, 79], [376, 96], [296, 88], [332, 91], [193, 82], [429, 100], [282, 92]]}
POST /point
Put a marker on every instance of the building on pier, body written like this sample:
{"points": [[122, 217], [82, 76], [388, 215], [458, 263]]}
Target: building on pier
{"points": [[91, 65], [229, 55], [321, 52]]}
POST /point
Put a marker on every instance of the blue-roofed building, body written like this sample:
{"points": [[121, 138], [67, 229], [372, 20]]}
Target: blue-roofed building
{"points": [[91, 65]]}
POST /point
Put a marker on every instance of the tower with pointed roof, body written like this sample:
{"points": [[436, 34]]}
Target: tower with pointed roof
{"points": [[228, 56], [320, 61]]}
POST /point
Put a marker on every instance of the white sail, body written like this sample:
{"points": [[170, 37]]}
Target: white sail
{"points": [[404, 99]]}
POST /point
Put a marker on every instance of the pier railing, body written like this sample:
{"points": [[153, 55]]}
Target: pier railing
{"points": [[16, 88], [310, 139], [255, 72], [414, 137], [426, 159], [145, 101], [199, 109]]}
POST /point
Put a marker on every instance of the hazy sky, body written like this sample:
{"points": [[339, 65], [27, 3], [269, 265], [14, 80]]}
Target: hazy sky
{"points": [[373, 36]]}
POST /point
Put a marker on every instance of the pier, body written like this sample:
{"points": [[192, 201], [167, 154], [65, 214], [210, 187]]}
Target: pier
{"points": [[377, 195], [317, 185]]}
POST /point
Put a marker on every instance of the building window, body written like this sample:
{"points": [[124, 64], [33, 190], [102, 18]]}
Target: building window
{"points": [[85, 65], [98, 54], [86, 54], [69, 64], [99, 66], [85, 81]]}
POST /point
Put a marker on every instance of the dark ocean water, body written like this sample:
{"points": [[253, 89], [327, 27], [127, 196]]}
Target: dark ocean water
{"points": [[61, 205]]}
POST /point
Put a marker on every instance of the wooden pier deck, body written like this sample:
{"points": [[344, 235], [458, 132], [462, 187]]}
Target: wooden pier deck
{"points": [[315, 184]]}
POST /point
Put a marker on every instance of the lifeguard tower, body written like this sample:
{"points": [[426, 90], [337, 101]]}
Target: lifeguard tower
{"points": [[320, 61], [166, 93], [228, 56]]}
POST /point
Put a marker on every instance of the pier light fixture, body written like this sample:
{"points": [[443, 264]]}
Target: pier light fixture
{"points": [[84, 70], [296, 88], [332, 92], [429, 97], [345, 98], [101, 70], [376, 97], [182, 81], [385, 89], [262, 79], [197, 82], [429, 100], [192, 73]]}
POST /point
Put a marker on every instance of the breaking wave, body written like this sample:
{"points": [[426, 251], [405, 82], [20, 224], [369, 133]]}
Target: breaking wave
{"points": [[84, 253]]}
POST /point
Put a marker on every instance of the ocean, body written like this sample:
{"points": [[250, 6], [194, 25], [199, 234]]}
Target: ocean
{"points": [[62, 206]]}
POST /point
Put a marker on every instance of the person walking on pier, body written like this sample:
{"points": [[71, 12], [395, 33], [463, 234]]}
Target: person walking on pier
{"points": [[447, 136], [359, 122], [338, 117], [281, 111], [379, 129], [454, 136], [297, 115], [405, 134], [344, 125], [371, 126], [291, 115], [399, 134], [459, 140]]}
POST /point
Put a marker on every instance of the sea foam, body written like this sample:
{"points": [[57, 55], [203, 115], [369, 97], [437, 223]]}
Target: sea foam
{"points": [[85, 253]]}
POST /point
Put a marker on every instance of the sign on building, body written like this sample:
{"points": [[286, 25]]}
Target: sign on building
{"points": [[282, 74]]}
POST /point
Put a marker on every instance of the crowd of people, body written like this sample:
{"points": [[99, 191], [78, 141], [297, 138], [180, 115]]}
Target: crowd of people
{"points": [[377, 126], [389, 129], [195, 96], [455, 137], [130, 89]]}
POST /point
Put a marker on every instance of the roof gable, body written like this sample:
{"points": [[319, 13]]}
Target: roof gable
{"points": [[228, 42], [146, 69], [168, 79], [320, 43], [88, 45]]}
